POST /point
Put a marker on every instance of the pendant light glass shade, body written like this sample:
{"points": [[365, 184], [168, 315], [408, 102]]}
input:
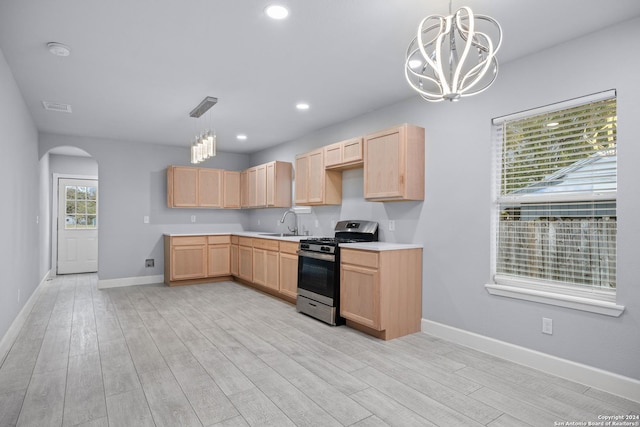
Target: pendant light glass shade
{"points": [[204, 145], [453, 56]]}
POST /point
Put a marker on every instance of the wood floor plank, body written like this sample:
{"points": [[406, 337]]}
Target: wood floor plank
{"points": [[258, 410], [169, 406], [300, 409], [516, 408], [506, 420], [388, 410], [422, 404], [118, 371], [54, 353], [238, 354], [228, 377], [455, 400], [44, 401], [143, 350], [85, 397], [129, 409], [207, 399], [84, 335], [10, 406], [626, 405], [238, 421], [17, 367]]}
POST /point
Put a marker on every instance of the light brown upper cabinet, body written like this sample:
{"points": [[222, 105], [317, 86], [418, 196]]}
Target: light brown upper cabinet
{"points": [[244, 189], [344, 155], [278, 184], [210, 190], [189, 187], [231, 199], [394, 164], [269, 185], [314, 184]]}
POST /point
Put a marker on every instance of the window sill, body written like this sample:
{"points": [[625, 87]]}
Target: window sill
{"points": [[569, 301]]}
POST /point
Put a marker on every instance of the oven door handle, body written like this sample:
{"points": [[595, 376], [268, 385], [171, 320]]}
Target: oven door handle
{"points": [[316, 255]]}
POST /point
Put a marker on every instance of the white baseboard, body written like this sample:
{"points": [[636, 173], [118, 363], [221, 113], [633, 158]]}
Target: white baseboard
{"points": [[610, 382], [12, 333], [130, 281]]}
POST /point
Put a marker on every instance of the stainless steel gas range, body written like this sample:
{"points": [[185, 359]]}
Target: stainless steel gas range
{"points": [[319, 269]]}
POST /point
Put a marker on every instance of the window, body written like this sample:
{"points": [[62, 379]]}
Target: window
{"points": [[555, 204], [80, 207]]}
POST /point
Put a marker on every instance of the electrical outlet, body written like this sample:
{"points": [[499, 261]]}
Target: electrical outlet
{"points": [[547, 326], [392, 225], [149, 262], [318, 223], [145, 219], [193, 218]]}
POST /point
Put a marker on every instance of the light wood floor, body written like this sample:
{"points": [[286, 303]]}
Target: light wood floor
{"points": [[226, 355]]}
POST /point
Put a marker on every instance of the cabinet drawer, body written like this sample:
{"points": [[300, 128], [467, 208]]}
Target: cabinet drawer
{"points": [[188, 240], [268, 244], [289, 247], [217, 240], [362, 258], [245, 241], [234, 240]]}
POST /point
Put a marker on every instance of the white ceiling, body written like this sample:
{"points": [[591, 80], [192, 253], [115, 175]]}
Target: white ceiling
{"points": [[137, 68]]}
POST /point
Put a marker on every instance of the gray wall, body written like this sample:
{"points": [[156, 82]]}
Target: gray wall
{"points": [[19, 210], [133, 184], [453, 223]]}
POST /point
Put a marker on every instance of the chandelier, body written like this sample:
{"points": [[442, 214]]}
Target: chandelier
{"points": [[204, 144], [450, 58]]}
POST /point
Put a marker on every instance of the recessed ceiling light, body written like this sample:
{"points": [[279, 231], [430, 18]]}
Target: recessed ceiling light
{"points": [[302, 106], [276, 11], [241, 137], [58, 49]]}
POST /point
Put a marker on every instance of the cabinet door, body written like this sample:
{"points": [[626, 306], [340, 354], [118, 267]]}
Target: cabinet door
{"points": [[219, 260], [261, 186], [289, 274], [352, 151], [234, 260], [231, 196], [302, 179], [384, 160], [360, 295], [333, 155], [245, 263], [252, 175], [188, 262], [210, 188], [185, 186], [271, 270], [244, 189], [259, 266], [270, 184], [316, 177]]}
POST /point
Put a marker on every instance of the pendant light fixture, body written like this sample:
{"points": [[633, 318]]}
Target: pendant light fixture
{"points": [[204, 144], [453, 56]]}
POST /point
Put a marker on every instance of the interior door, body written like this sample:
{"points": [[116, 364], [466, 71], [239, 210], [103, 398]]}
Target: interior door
{"points": [[77, 226]]}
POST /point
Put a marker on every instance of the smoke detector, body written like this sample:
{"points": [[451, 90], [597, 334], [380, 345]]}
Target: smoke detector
{"points": [[58, 49]]}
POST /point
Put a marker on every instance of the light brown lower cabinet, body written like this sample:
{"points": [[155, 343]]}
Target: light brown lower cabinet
{"points": [[289, 269], [219, 256], [245, 259], [380, 291], [234, 255], [265, 263]]}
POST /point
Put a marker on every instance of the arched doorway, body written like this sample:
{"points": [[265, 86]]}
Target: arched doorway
{"points": [[74, 211]]}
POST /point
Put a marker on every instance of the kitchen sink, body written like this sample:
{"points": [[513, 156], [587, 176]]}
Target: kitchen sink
{"points": [[278, 234]]}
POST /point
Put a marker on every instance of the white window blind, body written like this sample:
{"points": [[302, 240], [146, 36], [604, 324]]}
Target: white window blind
{"points": [[556, 196]]}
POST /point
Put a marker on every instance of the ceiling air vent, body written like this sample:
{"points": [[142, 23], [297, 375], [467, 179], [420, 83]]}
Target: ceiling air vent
{"points": [[56, 106]]}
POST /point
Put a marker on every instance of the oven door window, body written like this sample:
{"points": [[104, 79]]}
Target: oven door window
{"points": [[317, 276]]}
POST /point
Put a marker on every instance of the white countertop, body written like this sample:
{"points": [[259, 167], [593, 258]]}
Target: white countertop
{"points": [[367, 246], [380, 246], [258, 234]]}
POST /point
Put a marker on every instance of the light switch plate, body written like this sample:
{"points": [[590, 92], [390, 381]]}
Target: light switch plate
{"points": [[145, 219], [193, 218], [392, 225], [547, 326]]}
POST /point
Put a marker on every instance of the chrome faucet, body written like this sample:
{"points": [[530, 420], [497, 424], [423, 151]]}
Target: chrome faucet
{"points": [[295, 215]]}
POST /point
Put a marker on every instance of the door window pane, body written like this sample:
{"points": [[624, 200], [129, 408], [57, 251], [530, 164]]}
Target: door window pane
{"points": [[81, 207]]}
